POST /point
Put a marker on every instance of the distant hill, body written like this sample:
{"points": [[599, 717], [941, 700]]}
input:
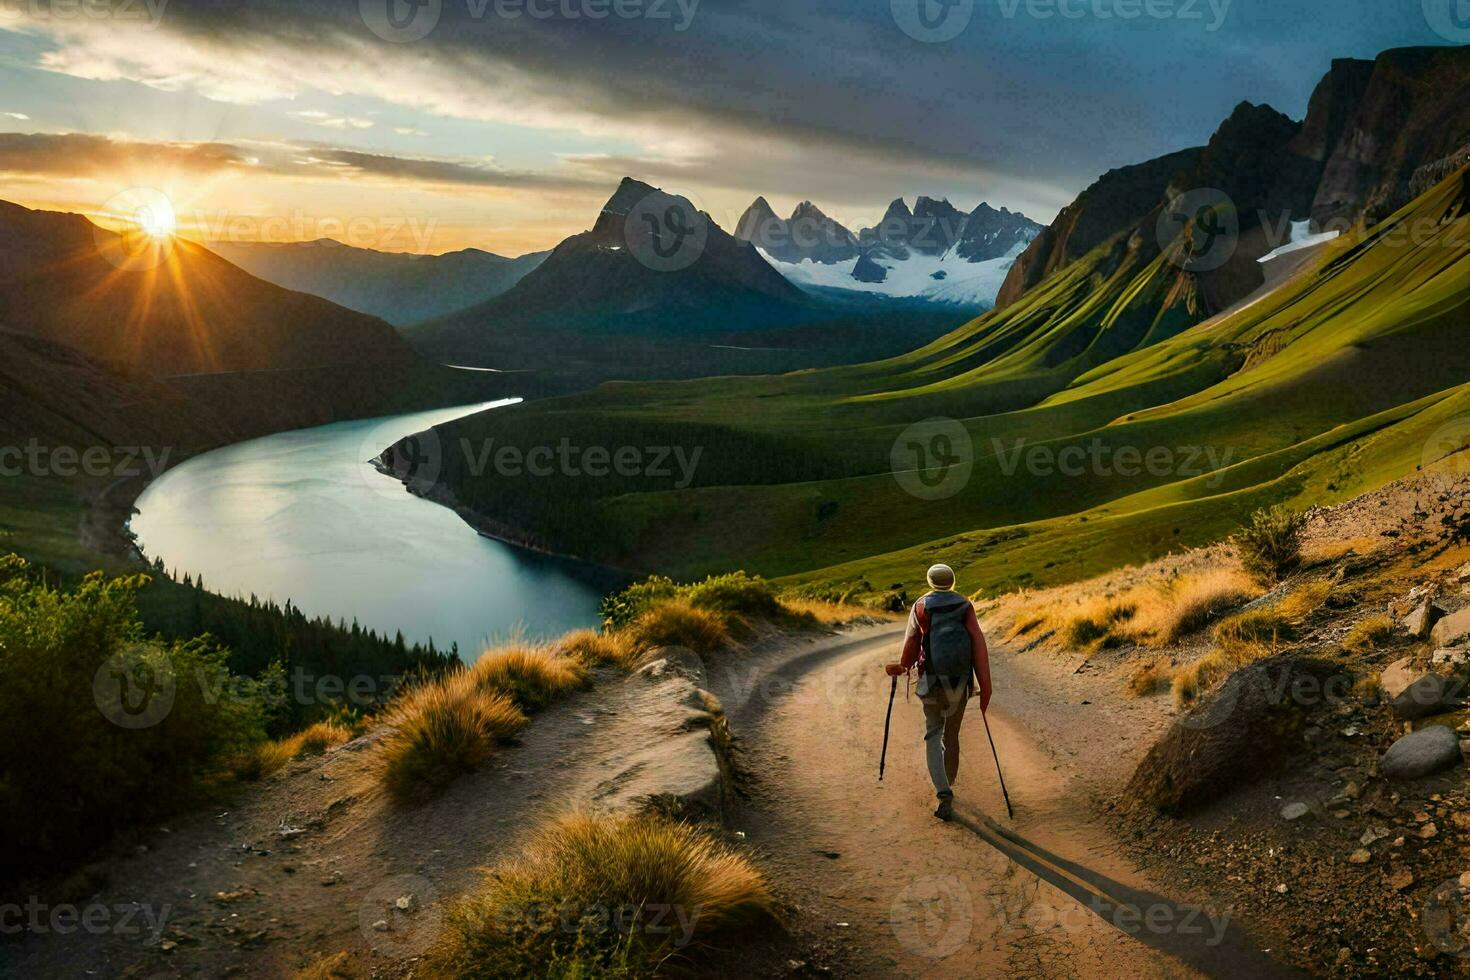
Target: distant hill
{"points": [[64, 279], [397, 287]]}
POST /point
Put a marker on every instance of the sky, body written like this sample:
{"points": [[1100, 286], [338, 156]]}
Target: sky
{"points": [[433, 125]]}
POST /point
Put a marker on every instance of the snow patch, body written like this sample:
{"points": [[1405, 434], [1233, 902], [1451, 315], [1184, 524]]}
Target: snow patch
{"points": [[945, 279], [1301, 237]]}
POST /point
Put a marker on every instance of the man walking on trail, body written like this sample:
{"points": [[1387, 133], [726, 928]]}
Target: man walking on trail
{"points": [[944, 641]]}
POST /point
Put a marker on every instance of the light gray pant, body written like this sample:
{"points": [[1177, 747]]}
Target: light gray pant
{"points": [[944, 712]]}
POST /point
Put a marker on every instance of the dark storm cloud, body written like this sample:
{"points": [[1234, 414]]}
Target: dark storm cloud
{"points": [[1045, 94]]}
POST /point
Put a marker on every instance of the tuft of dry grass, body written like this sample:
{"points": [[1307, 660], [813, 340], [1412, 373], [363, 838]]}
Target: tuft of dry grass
{"points": [[532, 676], [338, 966], [1099, 621], [1254, 632], [594, 649], [442, 730], [1193, 680], [1368, 635], [627, 893], [1150, 678], [1302, 602], [1175, 609], [269, 757], [832, 613], [677, 623]]}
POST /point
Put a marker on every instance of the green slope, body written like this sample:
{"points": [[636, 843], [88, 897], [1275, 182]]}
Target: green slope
{"points": [[1318, 390]]}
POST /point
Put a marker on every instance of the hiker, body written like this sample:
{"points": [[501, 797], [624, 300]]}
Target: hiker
{"points": [[944, 641]]}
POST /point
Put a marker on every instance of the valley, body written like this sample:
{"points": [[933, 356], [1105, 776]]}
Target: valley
{"points": [[531, 596]]}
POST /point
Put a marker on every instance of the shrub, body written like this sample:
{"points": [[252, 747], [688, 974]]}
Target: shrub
{"points": [[1368, 635], [1270, 545], [443, 730], [676, 623], [621, 608], [735, 594], [69, 776], [595, 649], [532, 677], [625, 894], [1150, 678]]}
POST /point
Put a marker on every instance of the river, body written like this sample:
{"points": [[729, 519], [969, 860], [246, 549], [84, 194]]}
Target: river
{"points": [[303, 516]]}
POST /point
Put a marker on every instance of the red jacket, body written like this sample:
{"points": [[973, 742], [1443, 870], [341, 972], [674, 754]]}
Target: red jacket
{"points": [[913, 651]]}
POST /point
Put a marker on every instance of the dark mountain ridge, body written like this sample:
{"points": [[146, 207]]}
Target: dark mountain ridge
{"points": [[401, 288]]}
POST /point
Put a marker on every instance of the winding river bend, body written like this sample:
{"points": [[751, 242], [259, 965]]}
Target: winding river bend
{"points": [[302, 516]]}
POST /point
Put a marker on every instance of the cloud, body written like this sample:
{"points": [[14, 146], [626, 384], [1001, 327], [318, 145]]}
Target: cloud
{"points": [[85, 155], [16, 115], [409, 131], [319, 118], [687, 101]]}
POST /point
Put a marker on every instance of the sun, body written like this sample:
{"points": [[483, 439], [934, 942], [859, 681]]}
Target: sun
{"points": [[157, 220]]}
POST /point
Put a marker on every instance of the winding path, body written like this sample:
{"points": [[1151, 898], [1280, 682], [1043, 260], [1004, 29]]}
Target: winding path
{"points": [[892, 890]]}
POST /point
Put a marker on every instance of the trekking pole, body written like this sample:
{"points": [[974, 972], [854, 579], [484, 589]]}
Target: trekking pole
{"points": [[1009, 812], [883, 759]]}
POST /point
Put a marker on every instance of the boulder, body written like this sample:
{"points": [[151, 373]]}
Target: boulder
{"points": [[1397, 676], [1422, 753], [1452, 629], [1421, 621], [1240, 733], [1429, 695]]}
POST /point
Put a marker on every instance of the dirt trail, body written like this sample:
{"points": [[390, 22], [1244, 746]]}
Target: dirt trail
{"points": [[315, 859], [888, 889]]}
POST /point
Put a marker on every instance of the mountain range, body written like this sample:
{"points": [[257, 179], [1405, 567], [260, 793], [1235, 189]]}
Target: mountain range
{"points": [[933, 253], [657, 288], [397, 287]]}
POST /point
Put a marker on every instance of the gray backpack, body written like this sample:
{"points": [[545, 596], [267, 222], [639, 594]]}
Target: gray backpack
{"points": [[948, 657]]}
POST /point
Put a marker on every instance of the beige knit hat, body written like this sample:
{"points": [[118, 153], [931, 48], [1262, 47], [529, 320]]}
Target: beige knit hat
{"points": [[941, 577]]}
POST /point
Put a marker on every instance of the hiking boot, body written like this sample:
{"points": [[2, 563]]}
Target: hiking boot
{"points": [[945, 810]]}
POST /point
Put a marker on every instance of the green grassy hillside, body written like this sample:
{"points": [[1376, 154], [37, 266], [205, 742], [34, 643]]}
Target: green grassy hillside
{"points": [[1326, 387]]}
